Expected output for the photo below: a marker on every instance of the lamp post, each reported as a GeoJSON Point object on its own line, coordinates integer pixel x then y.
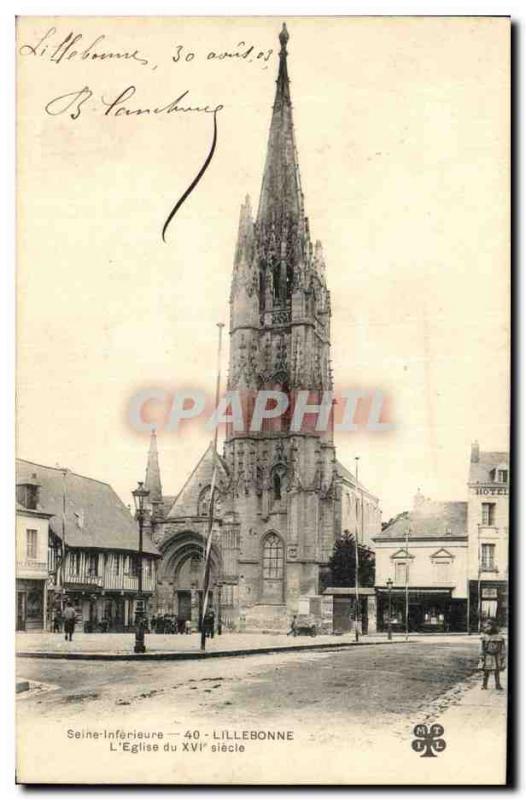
{"type": "Point", "coordinates": [139, 496]}
{"type": "Point", "coordinates": [219, 600]}
{"type": "Point", "coordinates": [357, 564]}
{"type": "Point", "coordinates": [389, 610]}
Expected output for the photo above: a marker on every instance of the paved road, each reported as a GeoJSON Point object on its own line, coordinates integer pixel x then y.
{"type": "Point", "coordinates": [352, 712]}
{"type": "Point", "coordinates": [384, 679]}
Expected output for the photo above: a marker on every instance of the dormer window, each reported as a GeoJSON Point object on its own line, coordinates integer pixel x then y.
{"type": "Point", "coordinates": [27, 493]}
{"type": "Point", "coordinates": [502, 475]}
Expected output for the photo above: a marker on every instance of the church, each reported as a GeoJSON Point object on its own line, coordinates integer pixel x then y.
{"type": "Point", "coordinates": [282, 497]}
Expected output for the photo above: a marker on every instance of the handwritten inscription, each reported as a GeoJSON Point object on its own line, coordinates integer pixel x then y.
{"type": "Point", "coordinates": [74, 47]}
{"type": "Point", "coordinates": [62, 49]}
{"type": "Point", "coordinates": [70, 48]}
{"type": "Point", "coordinates": [118, 106]}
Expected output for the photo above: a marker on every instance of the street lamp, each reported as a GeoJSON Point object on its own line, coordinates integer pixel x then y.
{"type": "Point", "coordinates": [139, 496]}
{"type": "Point", "coordinates": [389, 610]}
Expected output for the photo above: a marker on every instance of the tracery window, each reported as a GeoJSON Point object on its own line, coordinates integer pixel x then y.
{"type": "Point", "coordinates": [273, 558]}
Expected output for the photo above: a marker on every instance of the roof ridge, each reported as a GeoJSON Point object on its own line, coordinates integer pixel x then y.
{"type": "Point", "coordinates": [68, 470]}
{"type": "Point", "coordinates": [192, 473]}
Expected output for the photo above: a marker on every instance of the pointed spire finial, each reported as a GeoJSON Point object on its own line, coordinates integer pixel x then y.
{"type": "Point", "coordinates": [153, 474]}
{"type": "Point", "coordinates": [283, 38]}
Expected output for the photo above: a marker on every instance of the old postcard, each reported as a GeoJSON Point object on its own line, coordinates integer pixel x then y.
{"type": "Point", "coordinates": [263, 468]}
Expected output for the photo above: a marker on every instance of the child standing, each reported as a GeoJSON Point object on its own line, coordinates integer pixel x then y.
{"type": "Point", "coordinates": [492, 653]}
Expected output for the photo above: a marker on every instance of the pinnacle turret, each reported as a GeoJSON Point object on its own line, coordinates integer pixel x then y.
{"type": "Point", "coordinates": [152, 480]}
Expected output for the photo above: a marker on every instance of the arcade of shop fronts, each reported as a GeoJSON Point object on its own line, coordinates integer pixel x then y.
{"type": "Point", "coordinates": [441, 567]}
{"type": "Point", "coordinates": [447, 563]}
{"type": "Point", "coordinates": [76, 541]}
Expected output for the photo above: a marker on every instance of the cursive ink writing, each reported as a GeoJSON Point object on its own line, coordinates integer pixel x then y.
{"type": "Point", "coordinates": [68, 49]}
{"type": "Point", "coordinates": [119, 106]}
{"type": "Point", "coordinates": [71, 100]}
{"type": "Point", "coordinates": [195, 181]}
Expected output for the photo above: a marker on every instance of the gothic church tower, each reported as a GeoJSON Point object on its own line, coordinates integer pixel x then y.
{"type": "Point", "coordinates": [281, 489]}
{"type": "Point", "coordinates": [282, 498]}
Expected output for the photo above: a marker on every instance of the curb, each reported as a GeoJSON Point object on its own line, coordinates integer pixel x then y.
{"type": "Point", "coordinates": [198, 654]}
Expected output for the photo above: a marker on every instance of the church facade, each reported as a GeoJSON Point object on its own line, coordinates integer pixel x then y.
{"type": "Point", "coordinates": [282, 497]}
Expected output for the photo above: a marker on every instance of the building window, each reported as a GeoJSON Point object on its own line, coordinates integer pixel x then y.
{"type": "Point", "coordinates": [273, 558]}
{"type": "Point", "coordinates": [92, 565]}
{"type": "Point", "coordinates": [441, 572]}
{"type": "Point", "coordinates": [27, 495]}
{"type": "Point", "coordinates": [147, 568]}
{"type": "Point", "coordinates": [227, 595]}
{"type": "Point", "coordinates": [31, 544]}
{"type": "Point", "coordinates": [502, 476]}
{"type": "Point", "coordinates": [401, 572]}
{"type": "Point", "coordinates": [74, 563]}
{"type": "Point", "coordinates": [116, 564]}
{"type": "Point", "coordinates": [487, 556]}
{"type": "Point", "coordinates": [488, 514]}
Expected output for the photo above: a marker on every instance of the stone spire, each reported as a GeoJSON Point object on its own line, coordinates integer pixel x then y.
{"type": "Point", "coordinates": [281, 200]}
{"type": "Point", "coordinates": [245, 277]}
{"type": "Point", "coordinates": [152, 481]}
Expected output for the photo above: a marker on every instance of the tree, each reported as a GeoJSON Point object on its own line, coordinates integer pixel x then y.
{"type": "Point", "coordinates": [342, 565]}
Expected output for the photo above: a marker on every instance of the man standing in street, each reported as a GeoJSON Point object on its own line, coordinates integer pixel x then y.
{"type": "Point", "coordinates": [69, 621]}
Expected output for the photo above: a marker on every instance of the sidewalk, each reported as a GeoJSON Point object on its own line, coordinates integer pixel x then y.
{"type": "Point", "coordinates": [470, 714]}
{"type": "Point", "coordinates": [119, 646]}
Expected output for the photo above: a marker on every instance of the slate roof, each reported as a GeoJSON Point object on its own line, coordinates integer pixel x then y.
{"type": "Point", "coordinates": [347, 475]}
{"type": "Point", "coordinates": [433, 520]}
{"type": "Point", "coordinates": [479, 471]}
{"type": "Point", "coordinates": [95, 516]}
{"type": "Point", "coordinates": [185, 503]}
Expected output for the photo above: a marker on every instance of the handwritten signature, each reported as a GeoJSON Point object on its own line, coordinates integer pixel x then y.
{"type": "Point", "coordinates": [73, 103]}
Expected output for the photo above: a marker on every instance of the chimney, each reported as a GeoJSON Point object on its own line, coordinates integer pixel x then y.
{"type": "Point", "coordinates": [475, 452]}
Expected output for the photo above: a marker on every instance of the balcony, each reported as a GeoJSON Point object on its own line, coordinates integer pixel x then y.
{"type": "Point", "coordinates": [128, 583]}
{"type": "Point", "coordinates": [85, 580]}
{"type": "Point", "coordinates": [489, 531]}
{"type": "Point", "coordinates": [486, 569]}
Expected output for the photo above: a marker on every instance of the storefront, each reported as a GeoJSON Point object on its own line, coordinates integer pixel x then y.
{"type": "Point", "coordinates": [428, 610]}
{"type": "Point", "coordinates": [30, 605]}
{"type": "Point", "coordinates": [488, 600]}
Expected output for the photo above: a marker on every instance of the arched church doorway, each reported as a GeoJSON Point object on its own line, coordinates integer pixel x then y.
{"type": "Point", "coordinates": [181, 576]}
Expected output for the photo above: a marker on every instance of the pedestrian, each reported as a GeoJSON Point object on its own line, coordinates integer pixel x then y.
{"type": "Point", "coordinates": [56, 621]}
{"type": "Point", "coordinates": [69, 621]}
{"type": "Point", "coordinates": [293, 626]}
{"type": "Point", "coordinates": [209, 623]}
{"type": "Point", "coordinates": [492, 653]}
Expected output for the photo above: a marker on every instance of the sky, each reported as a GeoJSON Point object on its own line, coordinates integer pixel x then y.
{"type": "Point", "coordinates": [402, 127]}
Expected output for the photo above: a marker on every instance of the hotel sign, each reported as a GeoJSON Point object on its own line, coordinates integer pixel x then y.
{"type": "Point", "coordinates": [491, 490]}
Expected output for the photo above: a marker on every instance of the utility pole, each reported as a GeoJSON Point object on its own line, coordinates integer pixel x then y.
{"type": "Point", "coordinates": [407, 581]}
{"type": "Point", "coordinates": [208, 549]}
{"type": "Point", "coordinates": [357, 565]}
